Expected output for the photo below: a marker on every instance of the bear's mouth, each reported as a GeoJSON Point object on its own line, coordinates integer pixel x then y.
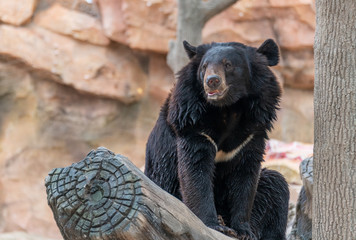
{"type": "Point", "coordinates": [216, 94]}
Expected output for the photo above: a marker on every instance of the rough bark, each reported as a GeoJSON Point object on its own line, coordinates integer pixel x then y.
{"type": "Point", "coordinates": [334, 193]}
{"type": "Point", "coordinates": [192, 16]}
{"type": "Point", "coordinates": [106, 197]}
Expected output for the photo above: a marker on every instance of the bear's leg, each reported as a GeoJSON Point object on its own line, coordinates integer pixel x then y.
{"type": "Point", "coordinates": [241, 186]}
{"type": "Point", "coordinates": [270, 210]}
{"type": "Point", "coordinates": [195, 172]}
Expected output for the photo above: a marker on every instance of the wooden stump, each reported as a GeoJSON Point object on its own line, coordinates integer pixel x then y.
{"type": "Point", "coordinates": [105, 196]}
{"type": "Point", "coordinates": [302, 228]}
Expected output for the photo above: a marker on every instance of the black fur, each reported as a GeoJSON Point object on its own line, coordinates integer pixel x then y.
{"type": "Point", "coordinates": [180, 156]}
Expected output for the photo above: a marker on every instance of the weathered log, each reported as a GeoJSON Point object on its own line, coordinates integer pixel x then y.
{"type": "Point", "coordinates": [302, 227]}
{"type": "Point", "coordinates": [105, 196]}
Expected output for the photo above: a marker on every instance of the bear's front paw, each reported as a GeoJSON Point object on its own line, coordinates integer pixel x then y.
{"type": "Point", "coordinates": [245, 234]}
{"type": "Point", "coordinates": [225, 230]}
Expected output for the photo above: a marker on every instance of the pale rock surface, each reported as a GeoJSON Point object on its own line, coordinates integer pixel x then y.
{"type": "Point", "coordinates": [43, 125]}
{"type": "Point", "coordinates": [152, 24]}
{"type": "Point", "coordinates": [113, 20]}
{"type": "Point", "coordinates": [161, 77]}
{"type": "Point", "coordinates": [295, 119]}
{"type": "Point", "coordinates": [109, 72]}
{"type": "Point", "coordinates": [288, 22]}
{"type": "Point", "coordinates": [292, 34]}
{"type": "Point", "coordinates": [144, 25]}
{"type": "Point", "coordinates": [288, 3]}
{"type": "Point", "coordinates": [249, 32]}
{"type": "Point", "coordinates": [16, 12]}
{"type": "Point", "coordinates": [297, 68]}
{"type": "Point", "coordinates": [69, 22]}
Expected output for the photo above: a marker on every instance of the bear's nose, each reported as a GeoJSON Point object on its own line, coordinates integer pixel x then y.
{"type": "Point", "coordinates": [213, 81]}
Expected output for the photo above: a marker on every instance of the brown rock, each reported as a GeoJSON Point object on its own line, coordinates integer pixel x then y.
{"type": "Point", "coordinates": [251, 32]}
{"type": "Point", "coordinates": [145, 25]}
{"type": "Point", "coordinates": [113, 20]}
{"type": "Point", "coordinates": [306, 14]}
{"type": "Point", "coordinates": [110, 72]}
{"type": "Point", "coordinates": [161, 77]}
{"type": "Point", "coordinates": [16, 12]}
{"type": "Point", "coordinates": [288, 3]}
{"type": "Point", "coordinates": [295, 120]}
{"type": "Point", "coordinates": [151, 24]}
{"type": "Point", "coordinates": [25, 198]}
{"type": "Point", "coordinates": [292, 34]}
{"type": "Point", "coordinates": [246, 10]}
{"type": "Point", "coordinates": [76, 24]}
{"type": "Point", "coordinates": [44, 125]}
{"type": "Point", "coordinates": [298, 68]}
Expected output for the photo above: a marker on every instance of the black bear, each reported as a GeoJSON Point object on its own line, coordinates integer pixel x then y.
{"type": "Point", "coordinates": [208, 143]}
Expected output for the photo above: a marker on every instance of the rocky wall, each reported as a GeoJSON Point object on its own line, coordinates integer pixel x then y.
{"type": "Point", "coordinates": [75, 75]}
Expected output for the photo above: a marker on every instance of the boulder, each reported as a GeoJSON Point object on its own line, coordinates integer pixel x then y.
{"type": "Point", "coordinates": [295, 121]}
{"type": "Point", "coordinates": [144, 25]}
{"type": "Point", "coordinates": [288, 3]}
{"type": "Point", "coordinates": [161, 78]}
{"type": "Point", "coordinates": [69, 22]}
{"type": "Point", "coordinates": [113, 20]}
{"type": "Point", "coordinates": [249, 32]}
{"type": "Point", "coordinates": [45, 124]}
{"type": "Point", "coordinates": [109, 72]}
{"type": "Point", "coordinates": [297, 68]}
{"type": "Point", "coordinates": [16, 12]}
{"type": "Point", "coordinates": [293, 34]}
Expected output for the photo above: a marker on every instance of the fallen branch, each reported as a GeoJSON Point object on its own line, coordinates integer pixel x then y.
{"type": "Point", "coordinates": [105, 196]}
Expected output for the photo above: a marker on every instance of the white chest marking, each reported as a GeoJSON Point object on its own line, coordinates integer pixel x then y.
{"type": "Point", "coordinates": [222, 156]}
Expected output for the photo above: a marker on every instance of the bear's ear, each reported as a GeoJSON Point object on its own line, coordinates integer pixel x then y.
{"type": "Point", "coordinates": [270, 49]}
{"type": "Point", "coordinates": [189, 49]}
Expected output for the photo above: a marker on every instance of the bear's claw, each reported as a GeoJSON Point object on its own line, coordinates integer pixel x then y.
{"type": "Point", "coordinates": [225, 230]}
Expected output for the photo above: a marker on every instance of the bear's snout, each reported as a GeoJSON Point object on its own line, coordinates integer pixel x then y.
{"type": "Point", "coordinates": [213, 81]}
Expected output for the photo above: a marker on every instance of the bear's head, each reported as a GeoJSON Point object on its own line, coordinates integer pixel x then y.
{"type": "Point", "coordinates": [231, 71]}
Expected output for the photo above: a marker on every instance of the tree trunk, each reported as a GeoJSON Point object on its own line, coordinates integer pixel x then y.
{"type": "Point", "coordinates": [106, 197]}
{"type": "Point", "coordinates": [192, 16]}
{"type": "Point", "coordinates": [334, 192]}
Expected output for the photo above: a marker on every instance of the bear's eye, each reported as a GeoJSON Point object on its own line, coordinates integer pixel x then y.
{"type": "Point", "coordinates": [203, 68]}
{"type": "Point", "coordinates": [228, 65]}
